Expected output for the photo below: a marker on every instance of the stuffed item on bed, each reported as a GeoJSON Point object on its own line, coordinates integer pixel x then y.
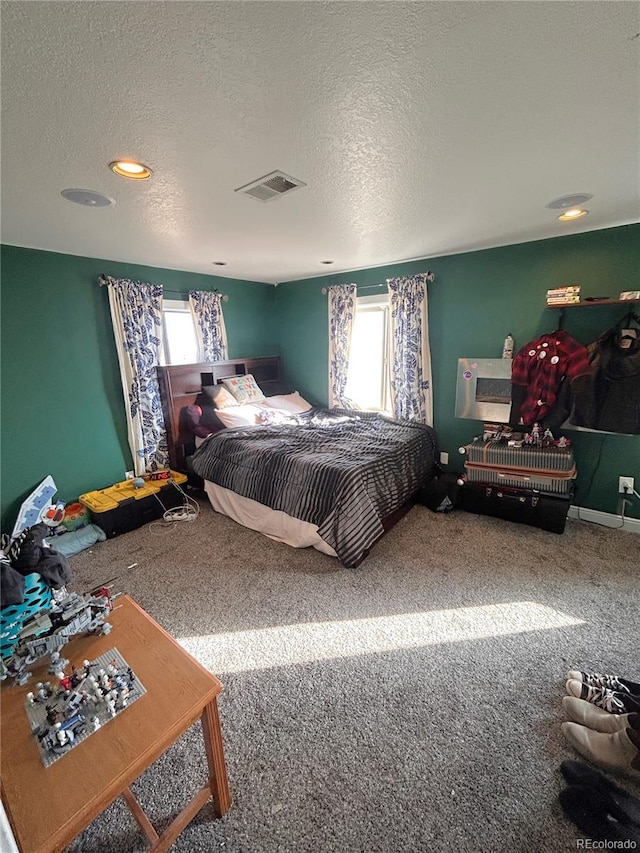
{"type": "Point", "coordinates": [218, 396]}
{"type": "Point", "coordinates": [199, 421]}
{"type": "Point", "coordinates": [244, 388]}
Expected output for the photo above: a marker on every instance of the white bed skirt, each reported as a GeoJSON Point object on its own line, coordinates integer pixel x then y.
{"type": "Point", "coordinates": [272, 522]}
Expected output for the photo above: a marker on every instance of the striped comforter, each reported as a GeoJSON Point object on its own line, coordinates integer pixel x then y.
{"type": "Point", "coordinates": [342, 471]}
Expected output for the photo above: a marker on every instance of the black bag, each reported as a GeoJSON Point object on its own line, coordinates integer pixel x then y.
{"type": "Point", "coordinates": [442, 494]}
{"type": "Point", "coordinates": [525, 506]}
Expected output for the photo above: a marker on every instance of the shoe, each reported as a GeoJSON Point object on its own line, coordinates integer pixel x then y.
{"type": "Point", "coordinates": [622, 805]}
{"type": "Point", "coordinates": [592, 716]}
{"type": "Point", "coordinates": [610, 751]}
{"type": "Point", "coordinates": [615, 703]}
{"type": "Point", "coordinates": [596, 816]}
{"type": "Point", "coordinates": [610, 682]}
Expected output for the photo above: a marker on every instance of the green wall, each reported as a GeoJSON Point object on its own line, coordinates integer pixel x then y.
{"type": "Point", "coordinates": [476, 299]}
{"type": "Point", "coordinates": [62, 410]}
{"type": "Point", "coordinates": [62, 407]}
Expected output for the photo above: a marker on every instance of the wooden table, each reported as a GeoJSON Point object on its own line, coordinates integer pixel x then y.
{"type": "Point", "coordinates": [49, 806]}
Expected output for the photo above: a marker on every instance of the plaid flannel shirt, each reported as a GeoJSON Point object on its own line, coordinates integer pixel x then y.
{"type": "Point", "coordinates": [539, 367]}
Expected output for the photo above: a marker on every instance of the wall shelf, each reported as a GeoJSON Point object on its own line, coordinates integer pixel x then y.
{"type": "Point", "coordinates": [595, 302]}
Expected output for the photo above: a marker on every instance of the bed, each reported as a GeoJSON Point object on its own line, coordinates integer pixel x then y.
{"type": "Point", "coordinates": [335, 480]}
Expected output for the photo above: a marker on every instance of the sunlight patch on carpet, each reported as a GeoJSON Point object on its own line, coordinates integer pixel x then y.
{"type": "Point", "coordinates": [312, 641]}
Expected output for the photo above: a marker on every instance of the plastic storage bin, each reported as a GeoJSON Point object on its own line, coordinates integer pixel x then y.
{"type": "Point", "coordinates": [37, 596]}
{"type": "Point", "coordinates": [123, 507]}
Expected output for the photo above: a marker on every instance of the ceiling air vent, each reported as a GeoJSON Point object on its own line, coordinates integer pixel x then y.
{"type": "Point", "coordinates": [271, 186]}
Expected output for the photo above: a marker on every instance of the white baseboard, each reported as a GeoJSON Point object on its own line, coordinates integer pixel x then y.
{"type": "Point", "coordinates": [607, 519]}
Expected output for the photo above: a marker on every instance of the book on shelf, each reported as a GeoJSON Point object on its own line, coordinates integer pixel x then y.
{"type": "Point", "coordinates": [569, 288]}
{"type": "Point", "coordinates": [563, 301]}
{"type": "Point", "coordinates": [560, 292]}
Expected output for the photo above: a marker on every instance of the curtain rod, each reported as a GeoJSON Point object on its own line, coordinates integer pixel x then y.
{"type": "Point", "coordinates": [102, 280]}
{"type": "Point", "coordinates": [430, 276]}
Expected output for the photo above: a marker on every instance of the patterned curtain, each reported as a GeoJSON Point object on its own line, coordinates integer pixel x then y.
{"type": "Point", "coordinates": [136, 314]}
{"type": "Point", "coordinates": [411, 381]}
{"type": "Point", "coordinates": [342, 313]}
{"type": "Point", "coordinates": [206, 307]}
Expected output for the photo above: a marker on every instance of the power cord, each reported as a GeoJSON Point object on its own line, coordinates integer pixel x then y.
{"type": "Point", "coordinates": [624, 502]}
{"type": "Point", "coordinates": [591, 479]}
{"type": "Point", "coordinates": [189, 510]}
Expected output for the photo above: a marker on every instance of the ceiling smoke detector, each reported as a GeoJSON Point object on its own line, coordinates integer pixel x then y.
{"type": "Point", "coordinates": [567, 201]}
{"type": "Point", "coordinates": [271, 186]}
{"type": "Point", "coordinates": [89, 198]}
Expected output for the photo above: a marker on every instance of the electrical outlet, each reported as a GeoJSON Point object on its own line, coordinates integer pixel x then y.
{"type": "Point", "coordinates": [625, 485]}
{"type": "Point", "coordinates": [128, 475]}
{"type": "Point", "coordinates": [444, 458]}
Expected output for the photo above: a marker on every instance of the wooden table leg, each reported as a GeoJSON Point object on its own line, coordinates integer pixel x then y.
{"type": "Point", "coordinates": [218, 780]}
{"type": "Point", "coordinates": [140, 817]}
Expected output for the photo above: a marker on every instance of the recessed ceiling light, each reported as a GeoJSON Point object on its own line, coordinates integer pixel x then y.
{"type": "Point", "coordinates": [327, 262]}
{"type": "Point", "coordinates": [219, 263]}
{"type": "Point", "coordinates": [130, 169]}
{"type": "Point", "coordinates": [90, 198]}
{"type": "Point", "coordinates": [568, 201]}
{"type": "Point", "coordinates": [574, 213]}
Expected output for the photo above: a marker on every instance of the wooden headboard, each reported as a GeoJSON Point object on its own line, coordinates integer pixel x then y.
{"type": "Point", "coordinates": [181, 384]}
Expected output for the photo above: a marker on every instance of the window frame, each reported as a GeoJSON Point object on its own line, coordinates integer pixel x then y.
{"type": "Point", "coordinates": [370, 304]}
{"type": "Point", "coordinates": [180, 306]}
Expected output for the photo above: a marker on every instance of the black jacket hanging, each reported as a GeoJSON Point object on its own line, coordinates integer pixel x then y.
{"type": "Point", "coordinates": [615, 364]}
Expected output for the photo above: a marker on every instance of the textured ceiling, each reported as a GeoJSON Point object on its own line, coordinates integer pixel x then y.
{"type": "Point", "coordinates": [420, 129]}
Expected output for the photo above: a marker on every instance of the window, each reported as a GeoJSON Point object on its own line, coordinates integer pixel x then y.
{"type": "Point", "coordinates": [180, 342]}
{"type": "Point", "coordinates": [368, 377]}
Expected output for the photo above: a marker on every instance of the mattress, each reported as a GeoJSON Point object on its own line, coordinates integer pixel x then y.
{"type": "Point", "coordinates": [273, 523]}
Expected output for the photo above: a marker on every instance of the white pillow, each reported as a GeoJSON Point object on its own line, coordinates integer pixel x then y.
{"type": "Point", "coordinates": [294, 404]}
{"type": "Point", "coordinates": [236, 416]}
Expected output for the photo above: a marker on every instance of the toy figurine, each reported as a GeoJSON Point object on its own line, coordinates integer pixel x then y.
{"type": "Point", "coordinates": [93, 687]}
{"type": "Point", "coordinates": [105, 683]}
{"type": "Point", "coordinates": [74, 702]}
{"type": "Point", "coordinates": [547, 438]}
{"type": "Point", "coordinates": [49, 630]}
{"type": "Point", "coordinates": [57, 662]}
{"type": "Point", "coordinates": [61, 736]}
{"type": "Point", "coordinates": [64, 681]}
{"type": "Point", "coordinates": [123, 697]}
{"type": "Point", "coordinates": [53, 715]}
{"type": "Point", "coordinates": [17, 669]}
{"type": "Point", "coordinates": [61, 716]}
{"type": "Point", "coordinates": [41, 692]}
{"type": "Point", "coordinates": [76, 677]}
{"type": "Point", "coordinates": [535, 435]}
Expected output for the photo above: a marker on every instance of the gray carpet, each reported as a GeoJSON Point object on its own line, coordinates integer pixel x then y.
{"type": "Point", "coordinates": [411, 704]}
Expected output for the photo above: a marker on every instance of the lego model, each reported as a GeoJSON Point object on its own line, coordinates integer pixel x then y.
{"type": "Point", "coordinates": [47, 631]}
{"type": "Point", "coordinates": [63, 716]}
